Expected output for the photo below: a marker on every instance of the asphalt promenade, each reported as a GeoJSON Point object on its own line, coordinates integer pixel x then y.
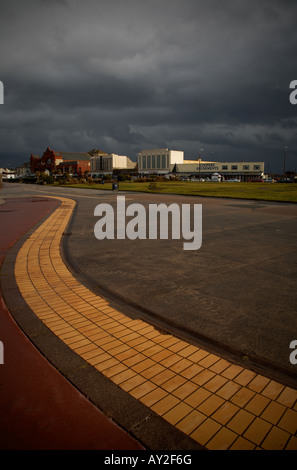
{"type": "Point", "coordinates": [161, 389]}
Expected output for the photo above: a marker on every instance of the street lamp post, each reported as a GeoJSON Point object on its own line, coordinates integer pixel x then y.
{"type": "Point", "coordinates": [199, 160]}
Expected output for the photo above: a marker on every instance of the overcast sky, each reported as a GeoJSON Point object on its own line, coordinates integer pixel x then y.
{"type": "Point", "coordinates": [127, 75]}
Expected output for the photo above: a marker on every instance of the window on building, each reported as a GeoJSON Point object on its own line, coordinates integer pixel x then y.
{"type": "Point", "coordinates": [158, 161]}
{"type": "Point", "coordinates": [256, 167]}
{"type": "Point", "coordinates": [246, 167]}
{"type": "Point", "coordinates": [148, 162]}
{"type": "Point", "coordinates": [234, 167]}
{"type": "Point", "coordinates": [144, 162]}
{"type": "Point", "coordinates": [163, 161]}
{"type": "Point", "coordinates": [224, 167]}
{"type": "Point", "coordinates": [153, 161]}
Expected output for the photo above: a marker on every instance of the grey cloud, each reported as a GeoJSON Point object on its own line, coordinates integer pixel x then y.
{"type": "Point", "coordinates": [124, 75]}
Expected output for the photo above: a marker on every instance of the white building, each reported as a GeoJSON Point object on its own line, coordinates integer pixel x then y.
{"type": "Point", "coordinates": [163, 161]}
{"type": "Point", "coordinates": [103, 163]}
{"type": "Point", "coordinates": [159, 161]}
{"type": "Point", "coordinates": [243, 171]}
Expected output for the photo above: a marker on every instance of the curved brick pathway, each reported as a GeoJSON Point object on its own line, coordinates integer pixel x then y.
{"type": "Point", "coordinates": [218, 404]}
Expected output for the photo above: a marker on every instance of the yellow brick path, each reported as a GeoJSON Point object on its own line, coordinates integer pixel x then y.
{"type": "Point", "coordinates": [218, 404]}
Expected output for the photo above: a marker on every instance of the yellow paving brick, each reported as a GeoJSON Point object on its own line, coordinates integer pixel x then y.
{"type": "Point", "coordinates": [177, 413]}
{"type": "Point", "coordinates": [191, 422]}
{"type": "Point", "coordinates": [197, 397]}
{"type": "Point", "coordinates": [164, 405]}
{"type": "Point", "coordinates": [228, 390]}
{"type": "Point", "coordinates": [178, 346]}
{"type": "Point", "coordinates": [273, 412]}
{"type": "Point", "coordinates": [191, 371]}
{"type": "Point", "coordinates": [198, 355]}
{"type": "Point", "coordinates": [257, 431]}
{"type": "Point", "coordinates": [225, 412]}
{"type": "Point", "coordinates": [202, 377]}
{"type": "Point", "coordinates": [209, 360]}
{"type": "Point", "coordinates": [214, 384]}
{"type": "Point", "coordinates": [169, 341]}
{"type": "Point", "coordinates": [119, 349]}
{"type": "Point", "coordinates": [184, 390]}
{"type": "Point", "coordinates": [133, 360]}
{"type": "Point", "coordinates": [210, 405]}
{"type": "Point", "coordinates": [242, 444]}
{"type": "Point", "coordinates": [143, 389]}
{"type": "Point", "coordinates": [170, 360]}
{"type": "Point", "coordinates": [288, 421]}
{"type": "Point", "coordinates": [114, 370]}
{"type": "Point", "coordinates": [153, 397]}
{"type": "Point", "coordinates": [86, 348]}
{"type": "Point", "coordinates": [163, 354]}
{"type": "Point", "coordinates": [133, 382]}
{"type": "Point", "coordinates": [181, 365]}
{"type": "Point", "coordinates": [222, 440]}
{"type": "Point", "coordinates": [245, 377]}
{"type": "Point", "coordinates": [143, 365]}
{"type": "Point", "coordinates": [162, 377]}
{"type": "Point", "coordinates": [258, 383]}
{"type": "Point", "coordinates": [257, 404]}
{"type": "Point", "coordinates": [242, 396]}
{"type": "Point", "coordinates": [276, 439]}
{"type": "Point", "coordinates": [100, 357]}
{"type": "Point", "coordinates": [151, 351]}
{"type": "Point", "coordinates": [240, 421]}
{"type": "Point", "coordinates": [219, 366]}
{"type": "Point", "coordinates": [101, 366]}
{"type": "Point", "coordinates": [187, 351]}
{"type": "Point", "coordinates": [152, 371]}
{"type": "Point", "coordinates": [292, 443]}
{"type": "Point", "coordinates": [173, 383]}
{"type": "Point", "coordinates": [205, 431]}
{"type": "Point", "coordinates": [232, 371]}
{"type": "Point", "coordinates": [287, 397]}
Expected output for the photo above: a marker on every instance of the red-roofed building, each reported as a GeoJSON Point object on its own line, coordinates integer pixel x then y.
{"type": "Point", "coordinates": [71, 162]}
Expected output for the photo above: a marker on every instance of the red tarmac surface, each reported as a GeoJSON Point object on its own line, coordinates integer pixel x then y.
{"type": "Point", "coordinates": [39, 408]}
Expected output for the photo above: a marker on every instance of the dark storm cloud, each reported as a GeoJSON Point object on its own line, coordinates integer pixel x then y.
{"type": "Point", "coordinates": [126, 75]}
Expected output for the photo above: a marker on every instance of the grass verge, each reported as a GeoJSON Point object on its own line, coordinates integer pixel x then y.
{"type": "Point", "coordinates": [279, 192]}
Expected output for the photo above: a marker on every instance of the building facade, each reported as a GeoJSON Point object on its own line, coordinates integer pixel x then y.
{"type": "Point", "coordinates": [61, 162]}
{"type": "Point", "coordinates": [243, 171]}
{"type": "Point", "coordinates": [164, 161]}
{"type": "Point", "coordinates": [159, 161]}
{"type": "Point", "coordinates": [107, 163]}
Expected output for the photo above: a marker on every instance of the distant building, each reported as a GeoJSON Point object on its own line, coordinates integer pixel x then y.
{"type": "Point", "coordinates": [243, 171]}
{"type": "Point", "coordinates": [109, 163]}
{"type": "Point", "coordinates": [73, 162]}
{"type": "Point", "coordinates": [7, 174]}
{"type": "Point", "coordinates": [159, 161]}
{"type": "Point", "coordinates": [164, 161]}
{"type": "Point", "coordinates": [22, 171]}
